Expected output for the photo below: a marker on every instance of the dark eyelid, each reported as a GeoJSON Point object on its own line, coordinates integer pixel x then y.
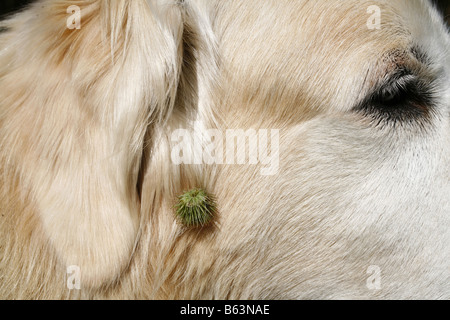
{"type": "Point", "coordinates": [400, 82]}
{"type": "Point", "coordinates": [411, 100]}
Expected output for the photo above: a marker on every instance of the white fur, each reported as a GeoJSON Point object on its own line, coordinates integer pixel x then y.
{"type": "Point", "coordinates": [86, 118]}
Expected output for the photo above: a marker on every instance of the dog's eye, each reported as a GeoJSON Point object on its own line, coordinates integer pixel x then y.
{"type": "Point", "coordinates": [397, 90]}
{"type": "Point", "coordinates": [402, 98]}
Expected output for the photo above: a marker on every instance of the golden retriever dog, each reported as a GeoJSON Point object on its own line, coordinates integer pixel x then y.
{"type": "Point", "coordinates": [109, 108]}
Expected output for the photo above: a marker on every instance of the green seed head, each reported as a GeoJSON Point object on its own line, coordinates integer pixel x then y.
{"type": "Point", "coordinates": [195, 208]}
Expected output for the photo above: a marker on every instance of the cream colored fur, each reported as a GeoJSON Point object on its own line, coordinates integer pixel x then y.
{"type": "Point", "coordinates": [86, 179]}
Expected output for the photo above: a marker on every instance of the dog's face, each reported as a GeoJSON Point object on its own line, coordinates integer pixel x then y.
{"type": "Point", "coordinates": [354, 202]}
{"type": "Point", "coordinates": [363, 178]}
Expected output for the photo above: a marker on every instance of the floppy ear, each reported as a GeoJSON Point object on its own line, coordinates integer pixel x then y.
{"type": "Point", "coordinates": [76, 105]}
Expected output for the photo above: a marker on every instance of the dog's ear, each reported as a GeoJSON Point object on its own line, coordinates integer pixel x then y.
{"type": "Point", "coordinates": [76, 135]}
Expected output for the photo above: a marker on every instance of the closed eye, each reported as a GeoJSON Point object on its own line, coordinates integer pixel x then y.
{"type": "Point", "coordinates": [401, 98]}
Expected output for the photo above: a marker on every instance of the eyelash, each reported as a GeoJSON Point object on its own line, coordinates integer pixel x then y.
{"type": "Point", "coordinates": [404, 98]}
{"type": "Point", "coordinates": [396, 91]}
